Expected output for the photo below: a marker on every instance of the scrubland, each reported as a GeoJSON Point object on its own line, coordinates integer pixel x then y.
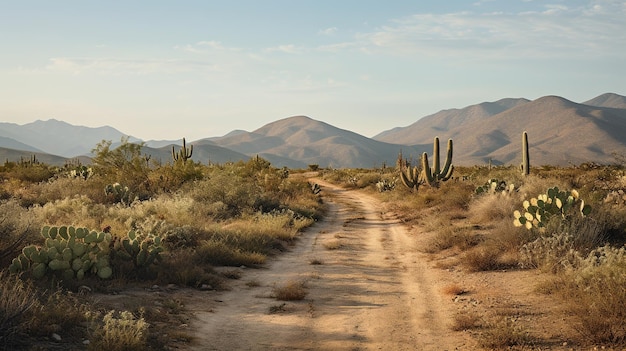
{"type": "Point", "coordinates": [195, 217]}
{"type": "Point", "coordinates": [191, 217]}
{"type": "Point", "coordinates": [583, 255]}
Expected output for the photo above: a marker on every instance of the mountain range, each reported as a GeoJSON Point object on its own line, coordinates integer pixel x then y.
{"type": "Point", "coordinates": [560, 132]}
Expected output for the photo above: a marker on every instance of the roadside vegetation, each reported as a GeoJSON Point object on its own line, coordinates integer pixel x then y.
{"type": "Point", "coordinates": [125, 221]}
{"type": "Point", "coordinates": [70, 235]}
{"type": "Point", "coordinates": [473, 223]}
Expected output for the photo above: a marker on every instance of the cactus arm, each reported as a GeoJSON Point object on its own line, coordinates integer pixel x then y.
{"type": "Point", "coordinates": [525, 159]}
{"type": "Point", "coordinates": [448, 168]}
{"type": "Point", "coordinates": [428, 175]}
{"type": "Point", "coordinates": [436, 163]}
{"type": "Point", "coordinates": [405, 180]}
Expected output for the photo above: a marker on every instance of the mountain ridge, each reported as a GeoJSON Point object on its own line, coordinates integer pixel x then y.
{"type": "Point", "coordinates": [560, 132]}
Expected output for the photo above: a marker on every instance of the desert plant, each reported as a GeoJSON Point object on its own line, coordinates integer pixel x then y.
{"type": "Point", "coordinates": [410, 177]}
{"type": "Point", "coordinates": [315, 188]}
{"type": "Point", "coordinates": [119, 193]}
{"type": "Point", "coordinates": [525, 157]}
{"type": "Point", "coordinates": [141, 249]}
{"type": "Point", "coordinates": [539, 210]}
{"type": "Point", "coordinates": [493, 186]}
{"type": "Point", "coordinates": [17, 298]}
{"type": "Point", "coordinates": [436, 174]}
{"type": "Point", "coordinates": [385, 185]}
{"type": "Point", "coordinates": [292, 290]}
{"type": "Point", "coordinates": [183, 154]}
{"type": "Point", "coordinates": [68, 252]}
{"type": "Point", "coordinates": [118, 331]}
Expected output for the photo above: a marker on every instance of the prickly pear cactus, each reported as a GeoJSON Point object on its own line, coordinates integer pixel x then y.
{"type": "Point", "coordinates": [68, 252]}
{"type": "Point", "coordinates": [495, 186]}
{"type": "Point", "coordinates": [538, 211]}
{"type": "Point", "coordinates": [119, 193]}
{"type": "Point", "coordinates": [142, 249]}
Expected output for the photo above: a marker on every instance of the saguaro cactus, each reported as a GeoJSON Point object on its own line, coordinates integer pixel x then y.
{"type": "Point", "coordinates": [436, 174]}
{"type": "Point", "coordinates": [525, 160]}
{"type": "Point", "coordinates": [410, 177]}
{"type": "Point", "coordinates": [182, 154]}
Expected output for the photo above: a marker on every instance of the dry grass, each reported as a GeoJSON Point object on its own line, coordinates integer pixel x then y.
{"type": "Point", "coordinates": [316, 261]}
{"type": "Point", "coordinates": [504, 332]}
{"type": "Point", "coordinates": [119, 331]}
{"type": "Point", "coordinates": [454, 289]}
{"type": "Point", "coordinates": [17, 303]}
{"type": "Point", "coordinates": [292, 290]}
{"type": "Point", "coordinates": [466, 321]}
{"type": "Point", "coordinates": [333, 244]}
{"type": "Point", "coordinates": [449, 236]}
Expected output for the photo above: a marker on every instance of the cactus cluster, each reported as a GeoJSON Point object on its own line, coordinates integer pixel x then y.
{"type": "Point", "coordinates": [385, 185]}
{"type": "Point", "coordinates": [82, 172]}
{"type": "Point", "coordinates": [539, 210]}
{"type": "Point", "coordinates": [436, 174]}
{"type": "Point", "coordinates": [183, 154]}
{"type": "Point", "coordinates": [119, 192]}
{"type": "Point", "coordinates": [143, 250]}
{"type": "Point", "coordinates": [69, 252]}
{"type": "Point", "coordinates": [495, 186]}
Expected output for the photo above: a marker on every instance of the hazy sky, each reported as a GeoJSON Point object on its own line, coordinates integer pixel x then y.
{"type": "Point", "coordinates": [167, 69]}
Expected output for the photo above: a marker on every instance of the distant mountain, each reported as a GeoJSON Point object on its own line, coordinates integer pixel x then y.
{"type": "Point", "coordinates": [608, 100]}
{"type": "Point", "coordinates": [7, 154]}
{"type": "Point", "coordinates": [10, 143]}
{"type": "Point", "coordinates": [60, 138]}
{"type": "Point", "coordinates": [428, 127]}
{"type": "Point", "coordinates": [560, 131]}
{"type": "Point", "coordinates": [298, 141]}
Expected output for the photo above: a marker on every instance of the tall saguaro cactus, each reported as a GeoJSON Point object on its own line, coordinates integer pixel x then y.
{"type": "Point", "coordinates": [525, 160]}
{"type": "Point", "coordinates": [184, 153]}
{"type": "Point", "coordinates": [436, 174]}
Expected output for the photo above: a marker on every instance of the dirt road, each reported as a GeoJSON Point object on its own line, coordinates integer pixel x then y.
{"type": "Point", "coordinates": [369, 288]}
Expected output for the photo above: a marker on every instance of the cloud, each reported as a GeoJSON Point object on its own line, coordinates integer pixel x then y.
{"type": "Point", "coordinates": [116, 66]}
{"type": "Point", "coordinates": [550, 32]}
{"type": "Point", "coordinates": [287, 49]}
{"type": "Point", "coordinates": [328, 31]}
{"type": "Point", "coordinates": [203, 47]}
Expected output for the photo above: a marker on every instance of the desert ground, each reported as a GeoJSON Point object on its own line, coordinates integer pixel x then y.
{"type": "Point", "coordinates": [369, 286]}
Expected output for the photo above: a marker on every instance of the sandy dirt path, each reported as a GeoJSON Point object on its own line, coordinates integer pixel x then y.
{"type": "Point", "coordinates": [372, 290]}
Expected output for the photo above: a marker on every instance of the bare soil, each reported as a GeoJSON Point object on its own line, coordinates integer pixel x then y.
{"type": "Point", "coordinates": [370, 287]}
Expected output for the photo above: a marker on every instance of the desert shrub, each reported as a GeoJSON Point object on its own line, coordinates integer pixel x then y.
{"type": "Point", "coordinates": [504, 332]}
{"type": "Point", "coordinates": [593, 286]}
{"type": "Point", "coordinates": [18, 300]}
{"type": "Point", "coordinates": [484, 258]}
{"type": "Point", "coordinates": [237, 194]}
{"type": "Point", "coordinates": [446, 237]}
{"type": "Point", "coordinates": [489, 208]}
{"type": "Point", "coordinates": [369, 179]}
{"type": "Point", "coordinates": [61, 312]}
{"type": "Point", "coordinates": [291, 290]}
{"type": "Point", "coordinates": [15, 230]}
{"type": "Point", "coordinates": [33, 173]}
{"type": "Point", "coordinates": [118, 331]}
{"type": "Point", "coordinates": [466, 321]}
{"type": "Point", "coordinates": [217, 252]}
{"type": "Point", "coordinates": [455, 194]}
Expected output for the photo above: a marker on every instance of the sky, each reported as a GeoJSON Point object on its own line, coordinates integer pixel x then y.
{"type": "Point", "coordinates": [171, 69]}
